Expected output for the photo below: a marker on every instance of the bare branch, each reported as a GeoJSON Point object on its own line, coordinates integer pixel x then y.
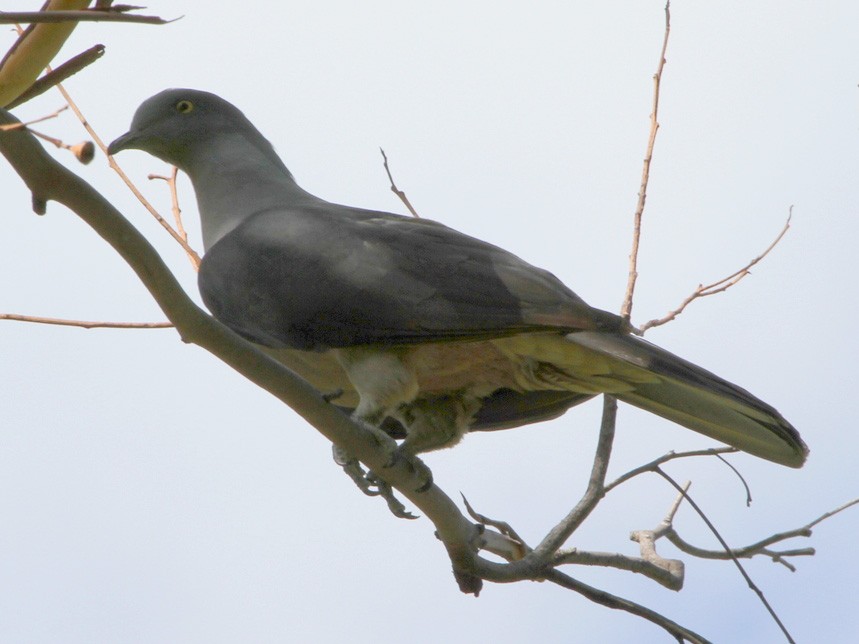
{"type": "Point", "coordinates": [174, 206]}
{"type": "Point", "coordinates": [613, 601]}
{"type": "Point", "coordinates": [739, 476]}
{"type": "Point", "coordinates": [397, 191]}
{"type": "Point", "coordinates": [673, 569]}
{"type": "Point", "coordinates": [664, 574]}
{"type": "Point", "coordinates": [593, 494]}
{"type": "Point", "coordinates": [626, 307]}
{"type": "Point", "coordinates": [85, 324]}
{"type": "Point", "coordinates": [761, 547]}
{"type": "Point", "coordinates": [174, 198]}
{"type": "Point", "coordinates": [728, 550]}
{"type": "Point", "coordinates": [507, 544]}
{"type": "Point", "coordinates": [747, 552]}
{"type": "Point", "coordinates": [721, 285]}
{"type": "Point", "coordinates": [653, 465]}
{"type": "Point", "coordinates": [832, 513]}
{"type": "Point", "coordinates": [672, 511]}
{"type": "Point", "coordinates": [23, 126]}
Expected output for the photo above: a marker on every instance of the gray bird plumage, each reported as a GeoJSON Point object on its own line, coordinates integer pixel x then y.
{"type": "Point", "coordinates": [429, 333]}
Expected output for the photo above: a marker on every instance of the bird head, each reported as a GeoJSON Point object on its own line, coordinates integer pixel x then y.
{"type": "Point", "coordinates": [176, 124]}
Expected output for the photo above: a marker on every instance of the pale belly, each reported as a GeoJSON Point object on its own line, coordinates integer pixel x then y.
{"type": "Point", "coordinates": [476, 367]}
{"type": "Point", "coordinates": [527, 362]}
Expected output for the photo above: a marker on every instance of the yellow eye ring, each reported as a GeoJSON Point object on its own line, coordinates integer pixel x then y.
{"type": "Point", "coordinates": [184, 106]}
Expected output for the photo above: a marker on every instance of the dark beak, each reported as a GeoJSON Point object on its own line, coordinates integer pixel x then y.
{"type": "Point", "coordinates": [125, 142]}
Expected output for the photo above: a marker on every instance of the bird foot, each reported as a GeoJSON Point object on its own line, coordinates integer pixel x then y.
{"type": "Point", "coordinates": [414, 464]}
{"type": "Point", "coordinates": [387, 492]}
{"type": "Point", "coordinates": [369, 483]}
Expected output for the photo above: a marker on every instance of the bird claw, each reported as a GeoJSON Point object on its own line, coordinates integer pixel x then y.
{"type": "Point", "coordinates": [369, 483]}
{"type": "Point", "coordinates": [415, 465]}
{"type": "Point", "coordinates": [386, 492]}
{"type": "Point", "coordinates": [354, 471]}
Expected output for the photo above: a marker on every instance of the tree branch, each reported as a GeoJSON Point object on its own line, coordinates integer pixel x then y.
{"type": "Point", "coordinates": [626, 307]}
{"type": "Point", "coordinates": [760, 547]}
{"type": "Point", "coordinates": [594, 492]}
{"type": "Point", "coordinates": [668, 575]}
{"type": "Point", "coordinates": [752, 585]}
{"type": "Point", "coordinates": [86, 324]}
{"type": "Point", "coordinates": [653, 465]}
{"type": "Point", "coordinates": [537, 563]}
{"type": "Point", "coordinates": [18, 125]}
{"type": "Point", "coordinates": [177, 211]}
{"type": "Point", "coordinates": [612, 601]}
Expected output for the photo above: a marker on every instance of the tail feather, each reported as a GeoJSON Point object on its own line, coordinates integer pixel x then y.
{"type": "Point", "coordinates": [695, 398]}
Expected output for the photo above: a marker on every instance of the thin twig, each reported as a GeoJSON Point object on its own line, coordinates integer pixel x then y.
{"type": "Point", "coordinates": [721, 285]}
{"type": "Point", "coordinates": [831, 513]}
{"type": "Point", "coordinates": [670, 456]}
{"type": "Point", "coordinates": [626, 307]}
{"type": "Point", "coordinates": [762, 547]}
{"type": "Point", "coordinates": [23, 126]}
{"type": "Point", "coordinates": [728, 550]}
{"type": "Point", "coordinates": [613, 601]}
{"type": "Point", "coordinates": [747, 552]}
{"type": "Point", "coordinates": [174, 205]}
{"type": "Point", "coordinates": [739, 476]}
{"type": "Point", "coordinates": [86, 324]}
{"type": "Point", "coordinates": [593, 494]}
{"type": "Point", "coordinates": [396, 190]}
{"type": "Point", "coordinates": [672, 511]}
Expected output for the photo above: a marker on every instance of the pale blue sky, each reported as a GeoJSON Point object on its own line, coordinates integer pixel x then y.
{"type": "Point", "coordinates": [149, 494]}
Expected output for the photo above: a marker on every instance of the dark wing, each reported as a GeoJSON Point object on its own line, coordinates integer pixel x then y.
{"type": "Point", "coordinates": [334, 276]}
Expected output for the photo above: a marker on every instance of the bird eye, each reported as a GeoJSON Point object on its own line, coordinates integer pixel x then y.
{"type": "Point", "coordinates": [183, 106]}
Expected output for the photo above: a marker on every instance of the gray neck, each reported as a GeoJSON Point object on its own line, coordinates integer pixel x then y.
{"type": "Point", "coordinates": [234, 179]}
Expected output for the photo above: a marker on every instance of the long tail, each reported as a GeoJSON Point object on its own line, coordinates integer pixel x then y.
{"type": "Point", "coordinates": [695, 398]}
